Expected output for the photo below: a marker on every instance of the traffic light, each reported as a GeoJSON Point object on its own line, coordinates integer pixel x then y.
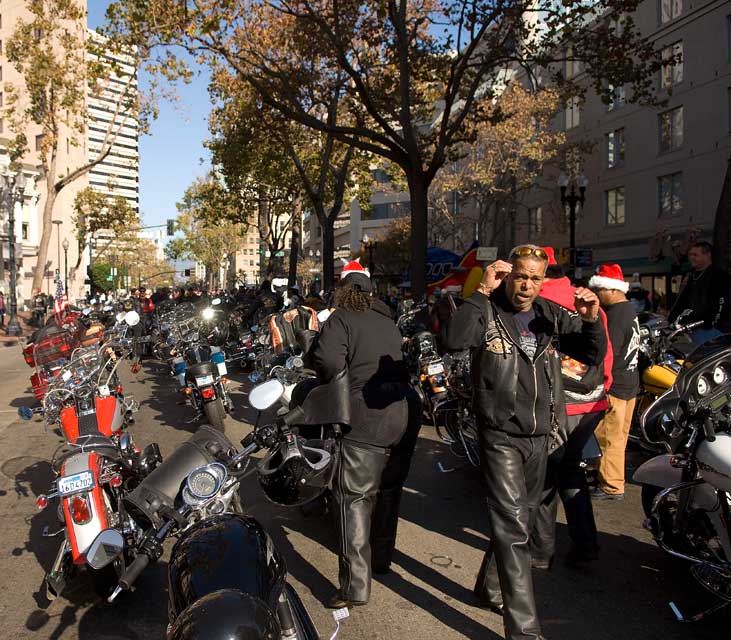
{"type": "Point", "coordinates": [171, 227]}
{"type": "Point", "coordinates": [186, 273]}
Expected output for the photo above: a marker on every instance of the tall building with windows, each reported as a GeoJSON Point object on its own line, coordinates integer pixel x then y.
{"type": "Point", "coordinates": [113, 123]}
{"type": "Point", "coordinates": [655, 174]}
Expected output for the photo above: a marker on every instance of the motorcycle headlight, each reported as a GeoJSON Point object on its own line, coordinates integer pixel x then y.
{"type": "Point", "coordinates": [702, 386]}
{"type": "Point", "coordinates": [207, 314]}
{"type": "Point", "coordinates": [204, 483]}
{"type": "Point", "coordinates": [720, 375]}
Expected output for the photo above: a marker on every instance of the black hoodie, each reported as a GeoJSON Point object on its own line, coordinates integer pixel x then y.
{"type": "Point", "coordinates": [368, 344]}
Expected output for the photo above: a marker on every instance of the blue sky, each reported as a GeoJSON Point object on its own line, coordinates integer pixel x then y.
{"type": "Point", "coordinates": [170, 155]}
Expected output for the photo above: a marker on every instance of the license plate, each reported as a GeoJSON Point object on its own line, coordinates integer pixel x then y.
{"type": "Point", "coordinates": [204, 380]}
{"type": "Point", "coordinates": [434, 369]}
{"type": "Point", "coordinates": [222, 369]}
{"type": "Point", "coordinates": [75, 483]}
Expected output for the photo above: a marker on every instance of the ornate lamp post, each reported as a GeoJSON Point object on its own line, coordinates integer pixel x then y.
{"type": "Point", "coordinates": [65, 245]}
{"type": "Point", "coordinates": [370, 244]}
{"type": "Point", "coordinates": [570, 198]}
{"type": "Point", "coordinates": [13, 186]}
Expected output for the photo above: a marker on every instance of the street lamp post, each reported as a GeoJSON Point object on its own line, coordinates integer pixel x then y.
{"type": "Point", "coordinates": [65, 245]}
{"type": "Point", "coordinates": [571, 198]}
{"type": "Point", "coordinates": [370, 244]}
{"type": "Point", "coordinates": [14, 189]}
{"type": "Point", "coordinates": [58, 224]}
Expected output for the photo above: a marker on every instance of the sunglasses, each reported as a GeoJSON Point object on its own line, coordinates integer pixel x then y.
{"type": "Point", "coordinates": [522, 252]}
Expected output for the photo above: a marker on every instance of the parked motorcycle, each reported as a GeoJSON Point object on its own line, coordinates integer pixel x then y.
{"type": "Point", "coordinates": [225, 577]}
{"type": "Point", "coordinates": [662, 350]}
{"type": "Point", "coordinates": [686, 491]}
{"type": "Point", "coordinates": [98, 463]}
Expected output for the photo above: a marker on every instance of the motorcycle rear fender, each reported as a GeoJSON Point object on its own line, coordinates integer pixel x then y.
{"type": "Point", "coordinates": [81, 536]}
{"type": "Point", "coordinates": [658, 472]}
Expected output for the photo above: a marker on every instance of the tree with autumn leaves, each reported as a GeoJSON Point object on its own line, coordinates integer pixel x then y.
{"type": "Point", "coordinates": [60, 66]}
{"type": "Point", "coordinates": [419, 73]}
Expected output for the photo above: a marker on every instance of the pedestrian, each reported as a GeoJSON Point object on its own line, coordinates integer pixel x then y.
{"type": "Point", "coordinates": [517, 394]}
{"type": "Point", "coordinates": [624, 335]}
{"type": "Point", "coordinates": [705, 292]}
{"type": "Point", "coordinates": [375, 453]}
{"type": "Point", "coordinates": [2, 309]}
{"type": "Point", "coordinates": [585, 389]}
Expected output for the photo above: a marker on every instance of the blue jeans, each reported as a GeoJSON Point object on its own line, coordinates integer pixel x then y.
{"type": "Point", "coordinates": [699, 336]}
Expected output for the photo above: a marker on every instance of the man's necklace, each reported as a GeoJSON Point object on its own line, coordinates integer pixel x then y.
{"type": "Point", "coordinates": [699, 276]}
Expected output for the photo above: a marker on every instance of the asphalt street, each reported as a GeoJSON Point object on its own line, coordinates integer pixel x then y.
{"type": "Point", "coordinates": [427, 595]}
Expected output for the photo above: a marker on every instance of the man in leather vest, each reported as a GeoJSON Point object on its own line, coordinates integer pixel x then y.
{"type": "Point", "coordinates": [517, 394]}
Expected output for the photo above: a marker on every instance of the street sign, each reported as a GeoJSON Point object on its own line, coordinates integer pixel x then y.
{"type": "Point", "coordinates": [279, 254]}
{"type": "Point", "coordinates": [486, 254]}
{"type": "Point", "coordinates": [314, 270]}
{"type": "Point", "coordinates": [110, 278]}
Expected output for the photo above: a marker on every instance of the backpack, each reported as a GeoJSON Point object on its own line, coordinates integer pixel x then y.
{"type": "Point", "coordinates": [287, 327]}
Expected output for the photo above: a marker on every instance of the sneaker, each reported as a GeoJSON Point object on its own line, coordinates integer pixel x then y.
{"type": "Point", "coordinates": [338, 602]}
{"type": "Point", "coordinates": [600, 494]}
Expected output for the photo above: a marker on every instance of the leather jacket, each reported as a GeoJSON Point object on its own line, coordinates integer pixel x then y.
{"type": "Point", "coordinates": [512, 392]}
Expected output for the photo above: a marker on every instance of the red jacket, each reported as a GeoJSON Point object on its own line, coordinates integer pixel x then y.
{"type": "Point", "coordinates": [561, 292]}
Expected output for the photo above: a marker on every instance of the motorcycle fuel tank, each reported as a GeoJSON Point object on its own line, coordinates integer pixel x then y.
{"type": "Point", "coordinates": [228, 552]}
{"type": "Point", "coordinates": [658, 378]}
{"type": "Point", "coordinates": [714, 461]}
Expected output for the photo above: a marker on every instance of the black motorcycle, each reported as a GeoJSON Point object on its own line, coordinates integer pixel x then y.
{"type": "Point", "coordinates": [226, 579]}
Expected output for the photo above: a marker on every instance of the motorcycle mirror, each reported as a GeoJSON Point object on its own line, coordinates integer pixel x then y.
{"type": "Point", "coordinates": [120, 316]}
{"type": "Point", "coordinates": [254, 327]}
{"type": "Point", "coordinates": [132, 318]}
{"type": "Point", "coordinates": [207, 314]}
{"type": "Point", "coordinates": [86, 311]}
{"type": "Point", "coordinates": [25, 413]}
{"type": "Point", "coordinates": [105, 549]}
{"type": "Point", "coordinates": [266, 394]}
{"type": "Point", "coordinates": [106, 308]}
{"type": "Point", "coordinates": [92, 301]}
{"type": "Point", "coordinates": [683, 314]}
{"type": "Point", "coordinates": [216, 301]}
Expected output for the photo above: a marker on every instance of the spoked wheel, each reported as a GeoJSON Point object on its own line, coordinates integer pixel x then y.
{"type": "Point", "coordinates": [464, 442]}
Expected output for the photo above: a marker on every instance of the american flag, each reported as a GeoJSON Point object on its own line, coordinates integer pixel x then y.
{"type": "Point", "coordinates": [61, 301]}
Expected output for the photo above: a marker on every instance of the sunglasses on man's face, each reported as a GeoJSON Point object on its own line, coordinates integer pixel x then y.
{"type": "Point", "coordinates": [522, 252]}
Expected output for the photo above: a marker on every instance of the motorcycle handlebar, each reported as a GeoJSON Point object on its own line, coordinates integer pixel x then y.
{"type": "Point", "coordinates": [134, 570]}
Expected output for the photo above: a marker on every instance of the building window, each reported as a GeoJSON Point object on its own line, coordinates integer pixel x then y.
{"type": "Point", "coordinates": [617, 97]}
{"type": "Point", "coordinates": [615, 148]}
{"type": "Point", "coordinates": [614, 206]}
{"type": "Point", "coordinates": [387, 211]}
{"type": "Point", "coordinates": [672, 73]}
{"type": "Point", "coordinates": [670, 194]}
{"type": "Point", "coordinates": [669, 10]}
{"type": "Point", "coordinates": [380, 176]}
{"type": "Point", "coordinates": [572, 113]}
{"type": "Point", "coordinates": [2, 125]}
{"type": "Point", "coordinates": [535, 221]}
{"type": "Point", "coordinates": [39, 142]}
{"type": "Point", "coordinates": [671, 130]}
{"type": "Point", "coordinates": [24, 231]}
{"type": "Point", "coordinates": [251, 263]}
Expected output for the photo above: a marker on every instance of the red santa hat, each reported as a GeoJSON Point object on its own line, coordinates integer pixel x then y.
{"type": "Point", "coordinates": [354, 273]}
{"type": "Point", "coordinates": [609, 276]}
{"type": "Point", "coordinates": [452, 286]}
{"type": "Point", "coordinates": [550, 254]}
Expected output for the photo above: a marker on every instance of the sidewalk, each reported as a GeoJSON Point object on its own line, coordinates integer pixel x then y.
{"type": "Point", "coordinates": [26, 330]}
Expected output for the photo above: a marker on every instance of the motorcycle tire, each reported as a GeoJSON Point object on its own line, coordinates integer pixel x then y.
{"type": "Point", "coordinates": [215, 414]}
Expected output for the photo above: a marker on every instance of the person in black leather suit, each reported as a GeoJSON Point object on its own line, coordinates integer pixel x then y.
{"type": "Point", "coordinates": [375, 452]}
{"type": "Point", "coordinates": [513, 336]}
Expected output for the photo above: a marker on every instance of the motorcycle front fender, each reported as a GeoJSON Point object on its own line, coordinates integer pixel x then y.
{"type": "Point", "coordinates": [228, 552]}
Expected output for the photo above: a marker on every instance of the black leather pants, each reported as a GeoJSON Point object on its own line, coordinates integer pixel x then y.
{"type": "Point", "coordinates": [566, 479]}
{"type": "Point", "coordinates": [367, 493]}
{"type": "Point", "coordinates": [514, 469]}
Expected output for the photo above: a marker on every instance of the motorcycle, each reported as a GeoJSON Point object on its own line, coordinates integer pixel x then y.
{"type": "Point", "coordinates": [98, 463]}
{"type": "Point", "coordinates": [661, 355]}
{"type": "Point", "coordinates": [686, 491]}
{"type": "Point", "coordinates": [225, 577]}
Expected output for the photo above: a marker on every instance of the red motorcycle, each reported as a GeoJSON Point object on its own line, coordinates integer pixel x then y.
{"type": "Point", "coordinates": [98, 464]}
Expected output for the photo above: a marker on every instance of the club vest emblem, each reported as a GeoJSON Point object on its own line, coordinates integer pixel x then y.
{"type": "Point", "coordinates": [494, 342]}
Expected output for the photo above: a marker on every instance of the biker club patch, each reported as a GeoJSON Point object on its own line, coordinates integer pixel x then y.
{"type": "Point", "coordinates": [495, 342]}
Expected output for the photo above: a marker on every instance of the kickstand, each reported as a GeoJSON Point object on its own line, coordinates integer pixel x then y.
{"type": "Point", "coordinates": [698, 616]}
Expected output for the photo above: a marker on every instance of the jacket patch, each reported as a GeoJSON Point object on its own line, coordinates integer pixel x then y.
{"type": "Point", "coordinates": [494, 342]}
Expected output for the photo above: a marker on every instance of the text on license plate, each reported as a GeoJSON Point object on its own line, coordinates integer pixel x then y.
{"type": "Point", "coordinates": [75, 483]}
{"type": "Point", "coordinates": [435, 368]}
{"type": "Point", "coordinates": [204, 380]}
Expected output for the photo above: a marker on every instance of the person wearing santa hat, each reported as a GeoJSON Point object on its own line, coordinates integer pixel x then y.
{"type": "Point", "coordinates": [624, 334]}
{"type": "Point", "coordinates": [375, 452]}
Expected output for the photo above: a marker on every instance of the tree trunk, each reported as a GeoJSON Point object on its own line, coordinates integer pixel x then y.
{"type": "Point", "coordinates": [294, 243]}
{"type": "Point", "coordinates": [722, 225]}
{"type": "Point", "coordinates": [328, 253]}
{"type": "Point", "coordinates": [47, 226]}
{"type": "Point", "coordinates": [418, 191]}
